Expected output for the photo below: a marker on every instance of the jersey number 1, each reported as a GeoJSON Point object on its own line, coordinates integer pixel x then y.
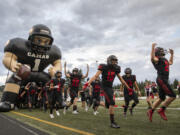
{"type": "Point", "coordinates": [36, 64]}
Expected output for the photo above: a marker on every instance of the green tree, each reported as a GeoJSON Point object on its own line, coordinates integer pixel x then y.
{"type": "Point", "coordinates": [175, 83]}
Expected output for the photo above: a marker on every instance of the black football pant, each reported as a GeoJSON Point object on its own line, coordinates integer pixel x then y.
{"type": "Point", "coordinates": [128, 98]}
{"type": "Point", "coordinates": [164, 88]}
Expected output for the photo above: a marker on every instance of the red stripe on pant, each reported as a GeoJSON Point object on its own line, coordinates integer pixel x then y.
{"type": "Point", "coordinates": [165, 88]}
{"type": "Point", "coordinates": [106, 97]}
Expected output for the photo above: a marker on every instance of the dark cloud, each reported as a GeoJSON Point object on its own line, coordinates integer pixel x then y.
{"type": "Point", "coordinates": [118, 27]}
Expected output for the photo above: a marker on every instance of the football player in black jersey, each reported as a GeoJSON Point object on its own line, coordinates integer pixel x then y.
{"type": "Point", "coordinates": [130, 95]}
{"type": "Point", "coordinates": [161, 64]}
{"type": "Point", "coordinates": [75, 78]}
{"type": "Point", "coordinates": [57, 89]}
{"type": "Point", "coordinates": [38, 52]}
{"type": "Point", "coordinates": [179, 89]}
{"type": "Point", "coordinates": [154, 89]}
{"type": "Point", "coordinates": [43, 96]}
{"type": "Point", "coordinates": [31, 91]}
{"type": "Point", "coordinates": [95, 89]}
{"type": "Point", "coordinates": [109, 71]}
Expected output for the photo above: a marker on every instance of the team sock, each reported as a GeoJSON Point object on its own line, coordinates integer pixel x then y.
{"type": "Point", "coordinates": [112, 118]}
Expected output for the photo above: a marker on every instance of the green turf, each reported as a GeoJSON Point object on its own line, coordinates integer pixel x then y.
{"type": "Point", "coordinates": [99, 125]}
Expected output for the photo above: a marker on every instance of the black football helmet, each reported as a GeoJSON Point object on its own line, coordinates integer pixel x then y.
{"type": "Point", "coordinates": [112, 58]}
{"type": "Point", "coordinates": [128, 71]}
{"type": "Point", "coordinates": [159, 51]}
{"type": "Point", "coordinates": [75, 70]}
{"type": "Point", "coordinates": [40, 30]}
{"type": "Point", "coordinates": [57, 72]}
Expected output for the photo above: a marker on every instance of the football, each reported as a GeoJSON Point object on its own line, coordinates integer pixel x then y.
{"type": "Point", "coordinates": [24, 71]}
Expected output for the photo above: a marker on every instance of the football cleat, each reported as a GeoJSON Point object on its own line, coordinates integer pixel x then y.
{"type": "Point", "coordinates": [51, 116]}
{"type": "Point", "coordinates": [57, 113]}
{"type": "Point", "coordinates": [115, 125]}
{"type": "Point", "coordinates": [75, 112]}
{"type": "Point", "coordinates": [162, 114]}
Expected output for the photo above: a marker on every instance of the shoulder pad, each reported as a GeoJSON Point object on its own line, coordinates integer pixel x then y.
{"type": "Point", "coordinates": [101, 67]}
{"type": "Point", "coordinates": [15, 45]}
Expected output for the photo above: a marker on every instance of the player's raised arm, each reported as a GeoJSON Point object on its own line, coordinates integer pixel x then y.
{"type": "Point", "coordinates": [153, 57]}
{"type": "Point", "coordinates": [84, 76]}
{"type": "Point", "coordinates": [66, 74]}
{"type": "Point", "coordinates": [171, 57]}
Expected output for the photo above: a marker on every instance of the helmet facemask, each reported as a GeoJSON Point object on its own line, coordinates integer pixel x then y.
{"type": "Point", "coordinates": [128, 71]}
{"type": "Point", "coordinates": [40, 44]}
{"type": "Point", "coordinates": [112, 60]}
{"type": "Point", "coordinates": [40, 38]}
{"type": "Point", "coordinates": [160, 52]}
{"type": "Point", "coordinates": [75, 71]}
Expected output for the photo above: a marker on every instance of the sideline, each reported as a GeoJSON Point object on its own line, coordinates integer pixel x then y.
{"type": "Point", "coordinates": [53, 124]}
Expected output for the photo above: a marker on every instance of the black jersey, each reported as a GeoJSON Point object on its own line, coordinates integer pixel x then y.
{"type": "Point", "coordinates": [96, 88]}
{"type": "Point", "coordinates": [32, 90]}
{"type": "Point", "coordinates": [130, 81]}
{"type": "Point", "coordinates": [38, 62]}
{"type": "Point", "coordinates": [108, 74]}
{"type": "Point", "coordinates": [162, 68]}
{"type": "Point", "coordinates": [75, 80]}
{"type": "Point", "coordinates": [58, 84]}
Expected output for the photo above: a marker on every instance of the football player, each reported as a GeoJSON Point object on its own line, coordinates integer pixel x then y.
{"type": "Point", "coordinates": [154, 89]}
{"type": "Point", "coordinates": [56, 96]}
{"type": "Point", "coordinates": [161, 64]}
{"type": "Point", "coordinates": [31, 89]}
{"type": "Point", "coordinates": [43, 96]}
{"type": "Point", "coordinates": [149, 94]}
{"type": "Point", "coordinates": [75, 78]}
{"type": "Point", "coordinates": [109, 71]}
{"type": "Point", "coordinates": [130, 95]}
{"type": "Point", "coordinates": [95, 88]}
{"type": "Point", "coordinates": [179, 89]}
{"type": "Point", "coordinates": [38, 52]}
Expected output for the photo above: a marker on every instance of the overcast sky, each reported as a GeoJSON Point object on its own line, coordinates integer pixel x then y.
{"type": "Point", "coordinates": [87, 31]}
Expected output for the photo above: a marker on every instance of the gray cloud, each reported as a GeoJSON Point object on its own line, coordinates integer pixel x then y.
{"type": "Point", "coordinates": [117, 26]}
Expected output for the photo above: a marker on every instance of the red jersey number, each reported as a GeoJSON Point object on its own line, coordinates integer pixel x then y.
{"type": "Point", "coordinates": [166, 66]}
{"type": "Point", "coordinates": [75, 82]}
{"type": "Point", "coordinates": [110, 76]}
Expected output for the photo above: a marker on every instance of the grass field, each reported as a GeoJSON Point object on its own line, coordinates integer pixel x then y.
{"type": "Point", "coordinates": [137, 124]}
